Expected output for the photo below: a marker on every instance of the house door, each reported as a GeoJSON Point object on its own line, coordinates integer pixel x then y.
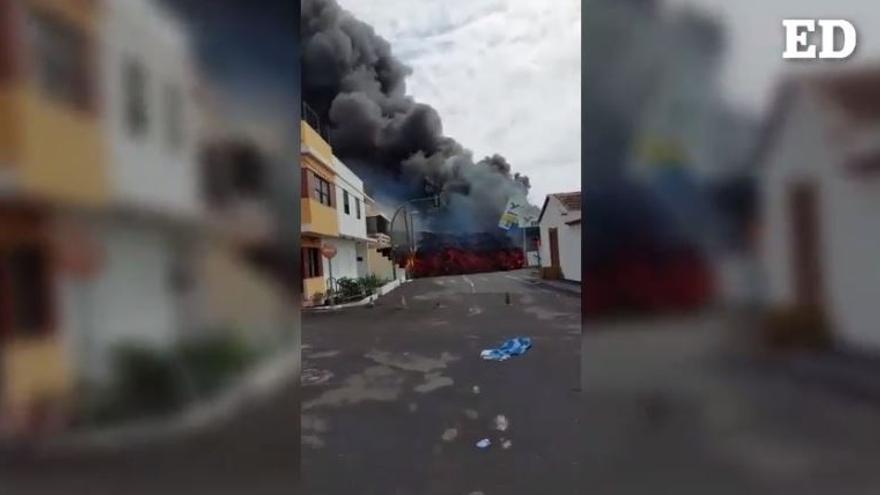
{"type": "Point", "coordinates": [804, 244]}
{"type": "Point", "coordinates": [554, 248]}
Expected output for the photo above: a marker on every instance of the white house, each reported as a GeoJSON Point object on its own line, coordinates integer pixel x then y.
{"type": "Point", "coordinates": [145, 237]}
{"type": "Point", "coordinates": [351, 260]}
{"type": "Point", "coordinates": [149, 113]}
{"type": "Point", "coordinates": [560, 225]}
{"type": "Point", "coordinates": [820, 197]}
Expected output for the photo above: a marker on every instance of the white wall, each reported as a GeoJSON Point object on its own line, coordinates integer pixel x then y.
{"type": "Point", "coordinates": [146, 171]}
{"type": "Point", "coordinates": [130, 300]}
{"type": "Point", "coordinates": [345, 262]}
{"type": "Point", "coordinates": [349, 224]}
{"type": "Point", "coordinates": [849, 230]}
{"type": "Point", "coordinates": [569, 239]}
{"type": "Point", "coordinates": [570, 251]}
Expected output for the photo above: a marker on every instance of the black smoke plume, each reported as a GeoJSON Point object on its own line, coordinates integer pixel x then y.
{"type": "Point", "coordinates": [356, 86]}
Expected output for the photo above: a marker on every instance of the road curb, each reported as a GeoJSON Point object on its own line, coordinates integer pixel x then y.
{"type": "Point", "coordinates": [256, 385]}
{"type": "Point", "coordinates": [385, 289]}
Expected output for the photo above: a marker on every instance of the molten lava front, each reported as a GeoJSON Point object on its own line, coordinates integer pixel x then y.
{"type": "Point", "coordinates": [458, 254]}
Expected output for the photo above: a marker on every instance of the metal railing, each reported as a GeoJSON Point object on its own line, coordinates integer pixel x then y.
{"type": "Point", "coordinates": [311, 118]}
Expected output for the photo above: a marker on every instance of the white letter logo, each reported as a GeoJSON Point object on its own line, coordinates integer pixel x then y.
{"type": "Point", "coordinates": [796, 37]}
{"type": "Point", "coordinates": [849, 39]}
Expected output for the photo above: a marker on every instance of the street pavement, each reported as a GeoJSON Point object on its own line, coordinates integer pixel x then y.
{"type": "Point", "coordinates": [409, 396]}
{"type": "Point", "coordinates": [678, 404]}
{"type": "Point", "coordinates": [256, 452]}
{"type": "Point", "coordinates": [395, 397]}
{"type": "Point", "coordinates": [684, 404]}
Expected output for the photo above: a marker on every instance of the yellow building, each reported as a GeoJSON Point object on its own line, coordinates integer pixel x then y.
{"type": "Point", "coordinates": [50, 160]}
{"type": "Point", "coordinates": [318, 208]}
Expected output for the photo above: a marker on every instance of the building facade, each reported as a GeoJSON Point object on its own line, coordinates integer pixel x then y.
{"type": "Point", "coordinates": [560, 225]}
{"type": "Point", "coordinates": [819, 179]}
{"type": "Point", "coordinates": [318, 204]}
{"type": "Point", "coordinates": [48, 94]}
{"type": "Point", "coordinates": [351, 245]}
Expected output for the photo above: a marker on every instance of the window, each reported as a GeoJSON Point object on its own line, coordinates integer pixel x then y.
{"type": "Point", "coordinates": [60, 60]}
{"type": "Point", "coordinates": [134, 82]}
{"type": "Point", "coordinates": [345, 206]}
{"type": "Point", "coordinates": [323, 191]}
{"type": "Point", "coordinates": [311, 263]}
{"type": "Point", "coordinates": [174, 117]}
{"type": "Point", "coordinates": [24, 274]}
{"type": "Point", "coordinates": [357, 207]}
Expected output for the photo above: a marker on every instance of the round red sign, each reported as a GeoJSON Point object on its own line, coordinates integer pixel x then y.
{"type": "Point", "coordinates": [328, 251]}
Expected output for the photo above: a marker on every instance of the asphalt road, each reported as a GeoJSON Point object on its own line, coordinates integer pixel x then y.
{"type": "Point", "coordinates": [395, 398]}
{"type": "Point", "coordinates": [254, 453]}
{"type": "Point", "coordinates": [409, 396]}
{"type": "Point", "coordinates": [669, 405]}
{"type": "Point", "coordinates": [683, 404]}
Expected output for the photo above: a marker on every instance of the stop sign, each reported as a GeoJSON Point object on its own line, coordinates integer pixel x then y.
{"type": "Point", "coordinates": [328, 251]}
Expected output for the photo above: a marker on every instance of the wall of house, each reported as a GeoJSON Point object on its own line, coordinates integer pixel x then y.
{"type": "Point", "coordinates": [570, 251]}
{"type": "Point", "coordinates": [345, 262]}
{"type": "Point", "coordinates": [848, 231]}
{"type": "Point", "coordinates": [551, 218]}
{"type": "Point", "coordinates": [798, 154]}
{"type": "Point", "coordinates": [33, 368]}
{"type": "Point", "coordinates": [316, 217]}
{"type": "Point", "coordinates": [569, 240]}
{"type": "Point", "coordinates": [72, 170]}
{"type": "Point", "coordinates": [312, 143]}
{"type": "Point", "coordinates": [238, 298]}
{"type": "Point", "coordinates": [349, 224]}
{"type": "Point", "coordinates": [148, 169]}
{"type": "Point", "coordinates": [363, 266]}
{"type": "Point", "coordinates": [381, 266]}
{"type": "Point", "coordinates": [129, 301]}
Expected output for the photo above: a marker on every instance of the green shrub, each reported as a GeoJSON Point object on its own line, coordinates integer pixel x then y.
{"type": "Point", "coordinates": [318, 298]}
{"type": "Point", "coordinates": [210, 363]}
{"type": "Point", "coordinates": [372, 282]}
{"type": "Point", "coordinates": [349, 287]}
{"type": "Point", "coordinates": [148, 382]}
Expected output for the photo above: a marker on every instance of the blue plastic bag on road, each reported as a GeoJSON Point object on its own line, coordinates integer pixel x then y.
{"type": "Point", "coordinates": [513, 347]}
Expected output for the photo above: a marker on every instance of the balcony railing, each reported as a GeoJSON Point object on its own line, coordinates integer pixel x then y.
{"type": "Point", "coordinates": [314, 121]}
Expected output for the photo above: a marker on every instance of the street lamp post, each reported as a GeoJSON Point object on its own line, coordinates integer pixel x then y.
{"type": "Point", "coordinates": [409, 236]}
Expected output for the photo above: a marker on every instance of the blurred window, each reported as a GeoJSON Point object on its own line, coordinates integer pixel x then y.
{"type": "Point", "coordinates": [312, 265]}
{"type": "Point", "coordinates": [323, 191]}
{"type": "Point", "coordinates": [357, 207]}
{"type": "Point", "coordinates": [174, 117]}
{"type": "Point", "coordinates": [345, 205]}
{"type": "Point", "coordinates": [25, 276]}
{"type": "Point", "coordinates": [134, 82]}
{"type": "Point", "coordinates": [61, 61]}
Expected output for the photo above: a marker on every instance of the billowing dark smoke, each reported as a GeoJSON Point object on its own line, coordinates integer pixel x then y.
{"type": "Point", "coordinates": [358, 88]}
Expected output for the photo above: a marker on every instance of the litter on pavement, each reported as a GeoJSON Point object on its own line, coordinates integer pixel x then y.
{"type": "Point", "coordinates": [513, 347]}
{"type": "Point", "coordinates": [484, 443]}
{"type": "Point", "coordinates": [501, 423]}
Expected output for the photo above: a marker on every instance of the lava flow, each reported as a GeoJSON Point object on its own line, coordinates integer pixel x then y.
{"type": "Point", "coordinates": [459, 254]}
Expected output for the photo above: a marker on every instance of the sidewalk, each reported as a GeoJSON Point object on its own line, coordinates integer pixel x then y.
{"type": "Point", "coordinates": [853, 375]}
{"type": "Point", "coordinates": [258, 384]}
{"type": "Point", "coordinates": [562, 285]}
{"type": "Point", "coordinates": [385, 289]}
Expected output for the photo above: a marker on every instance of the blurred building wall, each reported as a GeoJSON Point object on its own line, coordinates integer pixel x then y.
{"type": "Point", "coordinates": [149, 110]}
{"type": "Point", "coordinates": [819, 232]}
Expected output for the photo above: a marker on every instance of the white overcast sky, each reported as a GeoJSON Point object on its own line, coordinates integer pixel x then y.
{"type": "Point", "coordinates": [505, 76]}
{"type": "Point", "coordinates": [754, 27]}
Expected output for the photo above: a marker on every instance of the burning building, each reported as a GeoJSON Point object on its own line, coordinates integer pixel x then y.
{"type": "Point", "coordinates": [356, 89]}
